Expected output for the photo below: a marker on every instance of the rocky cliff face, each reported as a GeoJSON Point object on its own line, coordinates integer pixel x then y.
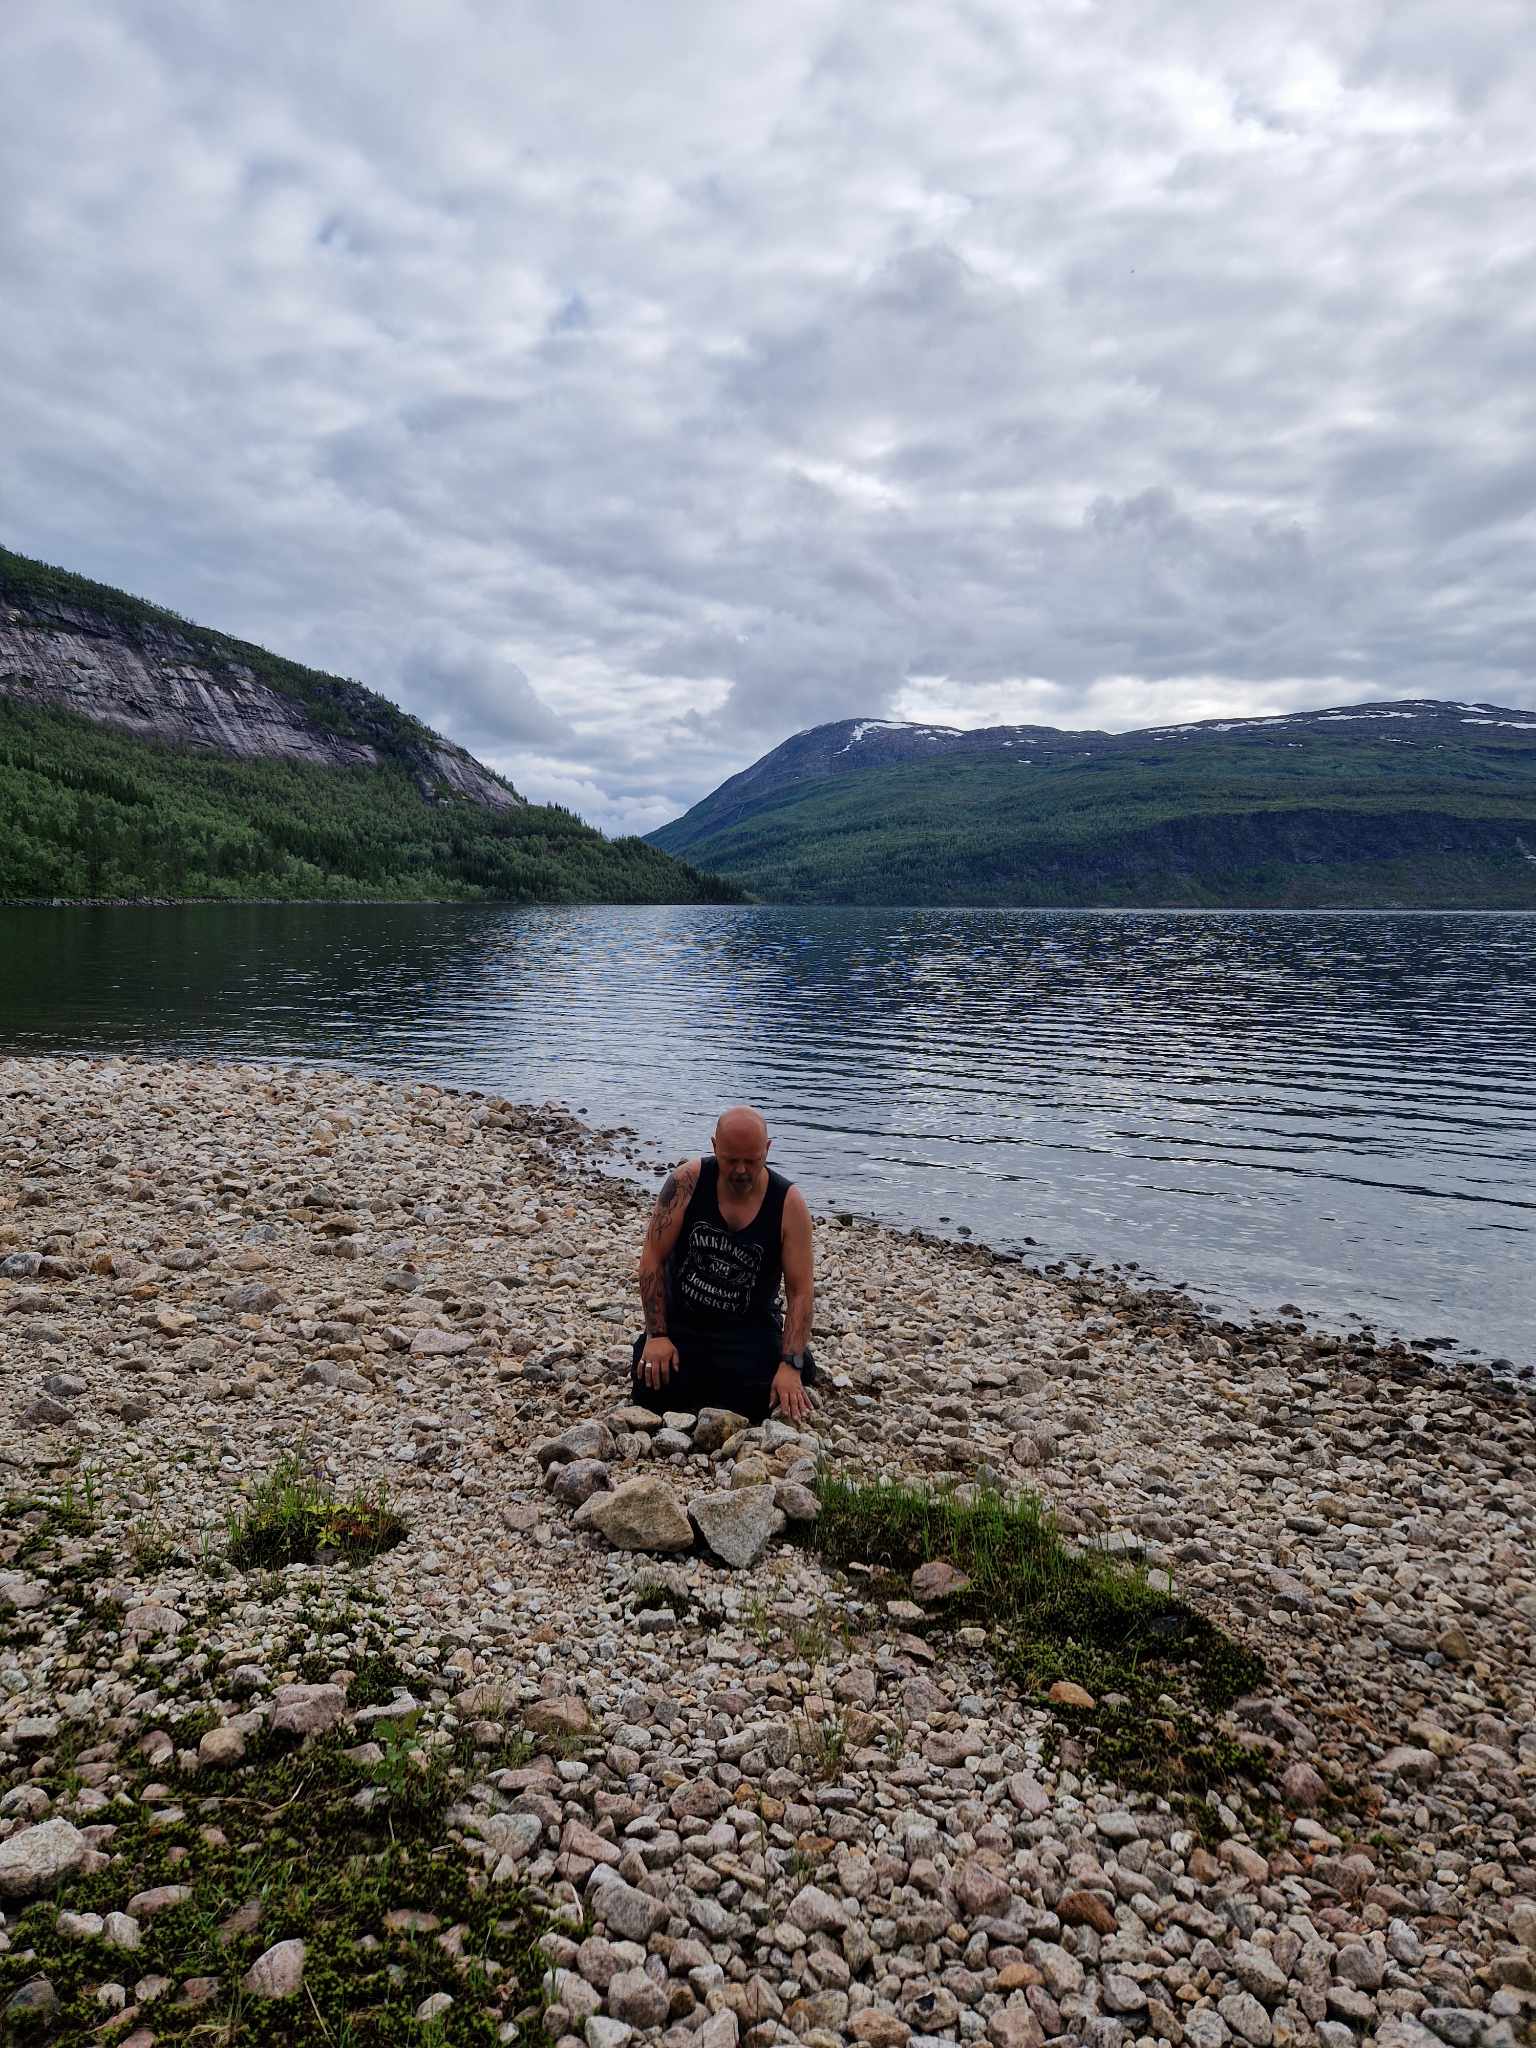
{"type": "Point", "coordinates": [165, 685]}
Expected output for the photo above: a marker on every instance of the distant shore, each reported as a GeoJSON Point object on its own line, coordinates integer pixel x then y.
{"type": "Point", "coordinates": [224, 902]}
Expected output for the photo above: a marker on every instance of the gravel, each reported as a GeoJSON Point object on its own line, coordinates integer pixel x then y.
{"type": "Point", "coordinates": [204, 1268]}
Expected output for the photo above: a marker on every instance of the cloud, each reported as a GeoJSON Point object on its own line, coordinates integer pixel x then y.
{"type": "Point", "coordinates": [624, 388]}
{"type": "Point", "coordinates": [487, 703]}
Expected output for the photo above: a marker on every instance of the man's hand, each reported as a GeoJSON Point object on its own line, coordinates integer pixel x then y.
{"type": "Point", "coordinates": [789, 1397]}
{"type": "Point", "coordinates": [658, 1361]}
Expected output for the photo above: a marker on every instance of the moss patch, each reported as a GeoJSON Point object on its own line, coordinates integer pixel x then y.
{"type": "Point", "coordinates": [308, 1844]}
{"type": "Point", "coordinates": [1158, 1671]}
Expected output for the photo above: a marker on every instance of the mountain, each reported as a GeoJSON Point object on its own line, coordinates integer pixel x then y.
{"type": "Point", "coordinates": [141, 755]}
{"type": "Point", "coordinates": [1410, 805]}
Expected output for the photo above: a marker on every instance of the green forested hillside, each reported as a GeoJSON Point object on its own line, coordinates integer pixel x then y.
{"type": "Point", "coordinates": [87, 811]}
{"type": "Point", "coordinates": [1429, 812]}
{"type": "Point", "coordinates": [142, 755]}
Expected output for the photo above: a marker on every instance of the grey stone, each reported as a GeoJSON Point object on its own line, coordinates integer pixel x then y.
{"type": "Point", "coordinates": [631, 1914]}
{"type": "Point", "coordinates": [1398, 2032]}
{"type": "Point", "coordinates": [817, 1912]}
{"type": "Point", "coordinates": [637, 1999]}
{"type": "Point", "coordinates": [1361, 1966]}
{"type": "Point", "coordinates": [22, 1594]}
{"type": "Point", "coordinates": [1117, 1827]}
{"type": "Point", "coordinates": [1257, 1971]}
{"type": "Point", "coordinates": [1247, 2018]}
{"type": "Point", "coordinates": [1028, 1795]}
{"type": "Point", "coordinates": [121, 1930]}
{"type": "Point", "coordinates": [739, 1524]}
{"type": "Point", "coordinates": [722, 2030]}
{"type": "Point", "coordinates": [642, 1514]}
{"type": "Point", "coordinates": [1122, 1993]}
{"type": "Point", "coordinates": [582, 1440]}
{"type": "Point", "coordinates": [796, 1502]}
{"type": "Point", "coordinates": [603, 2032]}
{"type": "Point", "coordinates": [158, 1899]}
{"type": "Point", "coordinates": [36, 1995]}
{"type": "Point", "coordinates": [1015, 2026]}
{"type": "Point", "coordinates": [716, 1426]}
{"type": "Point", "coordinates": [579, 1480]}
{"type": "Point", "coordinates": [441, 1343]}
{"type": "Point", "coordinates": [307, 1709]}
{"type": "Point", "coordinates": [278, 1972]}
{"type": "Point", "coordinates": [35, 1859]}
{"type": "Point", "coordinates": [46, 1413]}
{"type": "Point", "coordinates": [1206, 2030]}
{"type": "Point", "coordinates": [1063, 1974]}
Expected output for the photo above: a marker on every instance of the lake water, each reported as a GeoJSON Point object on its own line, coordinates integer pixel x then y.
{"type": "Point", "coordinates": [1333, 1110]}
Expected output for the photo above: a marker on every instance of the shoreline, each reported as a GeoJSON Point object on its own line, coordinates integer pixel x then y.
{"type": "Point", "coordinates": [789, 903]}
{"type": "Point", "coordinates": [205, 1265]}
{"type": "Point", "coordinates": [258, 902]}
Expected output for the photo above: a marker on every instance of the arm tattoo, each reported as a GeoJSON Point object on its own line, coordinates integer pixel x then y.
{"type": "Point", "coordinates": [675, 1195]}
{"type": "Point", "coordinates": [653, 1293]}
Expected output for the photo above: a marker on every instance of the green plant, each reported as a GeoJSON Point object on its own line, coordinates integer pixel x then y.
{"type": "Point", "coordinates": [290, 1517]}
{"type": "Point", "coordinates": [149, 1545]}
{"type": "Point", "coordinates": [822, 1744]}
{"type": "Point", "coordinates": [656, 1593]}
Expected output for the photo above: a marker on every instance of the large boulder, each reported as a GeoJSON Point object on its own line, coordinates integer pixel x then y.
{"type": "Point", "coordinates": [34, 1859]}
{"type": "Point", "coordinates": [738, 1524]}
{"type": "Point", "coordinates": [642, 1514]}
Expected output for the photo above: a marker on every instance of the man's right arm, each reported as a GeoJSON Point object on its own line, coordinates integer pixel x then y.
{"type": "Point", "coordinates": [660, 1240]}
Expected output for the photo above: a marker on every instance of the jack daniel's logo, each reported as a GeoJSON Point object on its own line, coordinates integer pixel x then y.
{"type": "Point", "coordinates": [719, 1271]}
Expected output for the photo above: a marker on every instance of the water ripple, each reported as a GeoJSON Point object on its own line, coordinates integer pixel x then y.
{"type": "Point", "coordinates": [1330, 1108]}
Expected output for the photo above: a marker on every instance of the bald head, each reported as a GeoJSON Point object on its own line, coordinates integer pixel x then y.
{"type": "Point", "coordinates": [742, 1130]}
{"type": "Point", "coordinates": [741, 1148]}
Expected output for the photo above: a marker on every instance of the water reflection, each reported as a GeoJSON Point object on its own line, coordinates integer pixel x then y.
{"type": "Point", "coordinates": [1330, 1108]}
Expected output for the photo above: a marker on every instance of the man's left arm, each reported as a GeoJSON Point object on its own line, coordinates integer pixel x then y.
{"type": "Point", "coordinates": [789, 1396]}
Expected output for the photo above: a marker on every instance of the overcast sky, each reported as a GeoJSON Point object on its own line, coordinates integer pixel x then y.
{"type": "Point", "coordinates": [623, 385]}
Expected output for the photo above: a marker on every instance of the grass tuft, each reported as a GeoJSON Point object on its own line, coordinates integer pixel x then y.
{"type": "Point", "coordinates": [291, 1517]}
{"type": "Point", "coordinates": [655, 1593]}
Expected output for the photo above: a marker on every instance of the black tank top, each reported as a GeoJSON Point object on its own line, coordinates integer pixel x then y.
{"type": "Point", "coordinates": [724, 1279]}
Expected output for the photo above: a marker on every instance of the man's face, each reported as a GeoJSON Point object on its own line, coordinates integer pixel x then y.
{"type": "Point", "coordinates": [741, 1161]}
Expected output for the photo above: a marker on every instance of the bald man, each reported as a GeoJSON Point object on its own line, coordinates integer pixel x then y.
{"type": "Point", "coordinates": [725, 1231]}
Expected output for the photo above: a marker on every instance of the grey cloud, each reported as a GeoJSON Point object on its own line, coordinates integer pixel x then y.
{"type": "Point", "coordinates": [624, 388]}
{"type": "Point", "coordinates": [488, 705]}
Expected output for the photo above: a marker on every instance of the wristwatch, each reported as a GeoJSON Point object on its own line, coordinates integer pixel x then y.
{"type": "Point", "coordinates": [794, 1358]}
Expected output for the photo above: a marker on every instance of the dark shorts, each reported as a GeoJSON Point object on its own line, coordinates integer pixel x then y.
{"type": "Point", "coordinates": [716, 1369]}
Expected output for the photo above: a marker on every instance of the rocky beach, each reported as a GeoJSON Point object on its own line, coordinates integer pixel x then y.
{"type": "Point", "coordinates": [668, 1768]}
